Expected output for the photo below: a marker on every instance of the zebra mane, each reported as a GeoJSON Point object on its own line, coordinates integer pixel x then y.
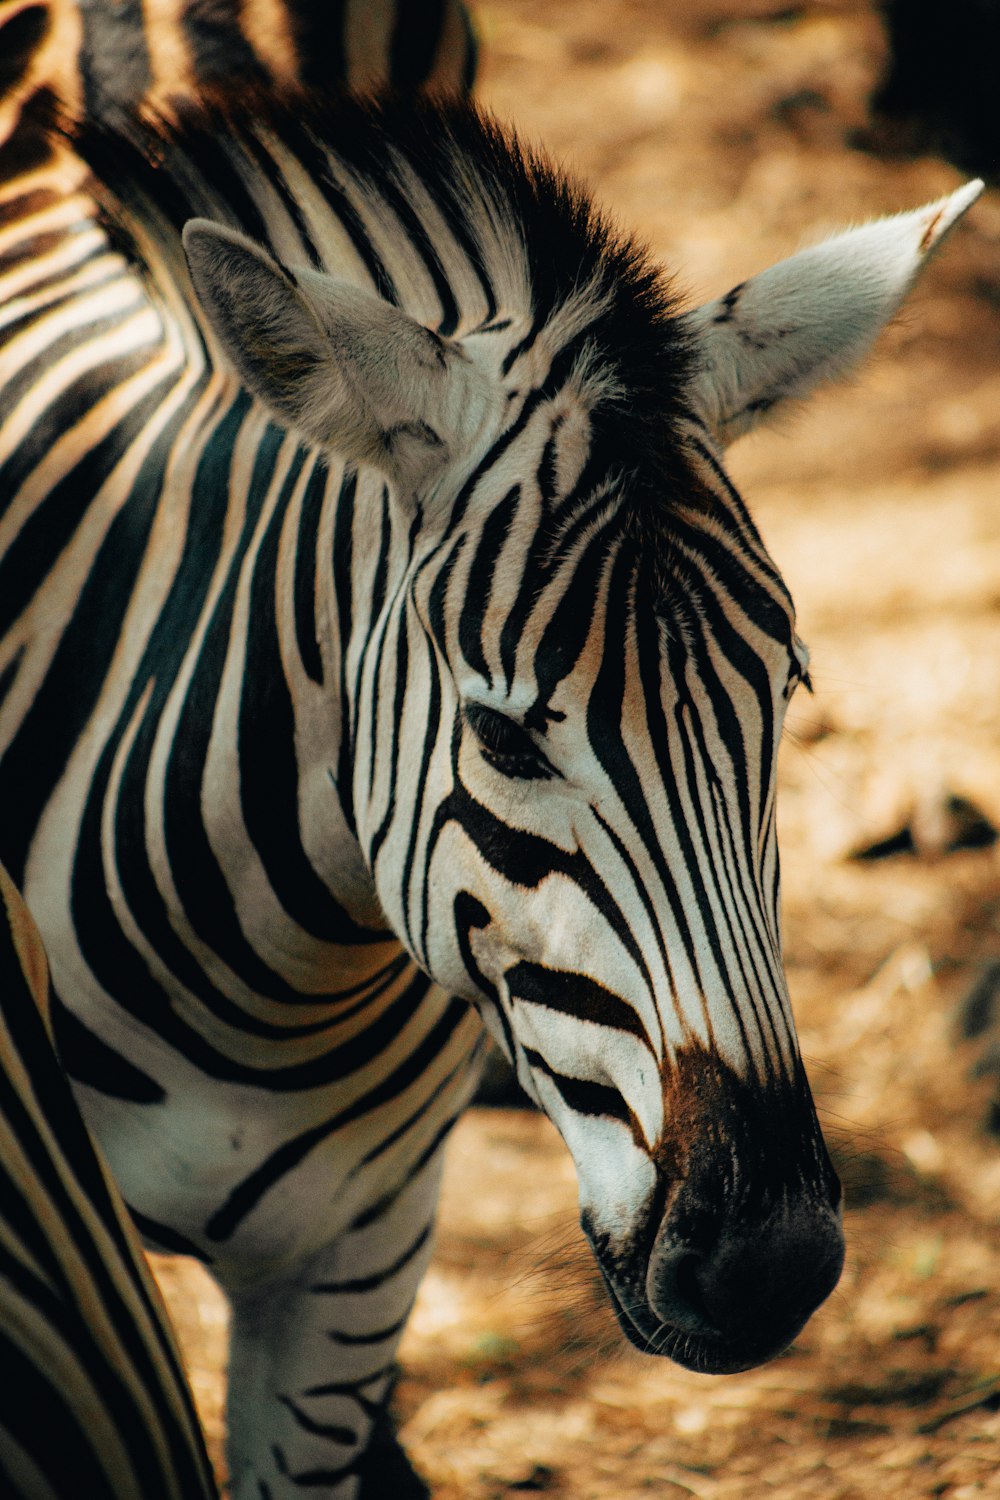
{"type": "Point", "coordinates": [495, 228]}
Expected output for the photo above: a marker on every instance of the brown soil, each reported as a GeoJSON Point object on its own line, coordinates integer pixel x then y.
{"type": "Point", "coordinates": [723, 133]}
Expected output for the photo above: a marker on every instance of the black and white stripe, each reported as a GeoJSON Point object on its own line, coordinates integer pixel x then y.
{"type": "Point", "coordinates": [428, 668]}
{"type": "Point", "coordinates": [95, 1401]}
{"type": "Point", "coordinates": [163, 51]}
{"type": "Point", "coordinates": [104, 58]}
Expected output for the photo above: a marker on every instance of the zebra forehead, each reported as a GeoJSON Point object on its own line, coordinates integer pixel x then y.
{"type": "Point", "coordinates": [625, 568]}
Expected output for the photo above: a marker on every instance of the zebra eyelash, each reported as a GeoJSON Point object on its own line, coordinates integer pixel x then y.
{"type": "Point", "coordinates": [506, 745]}
{"type": "Point", "coordinates": [798, 678]}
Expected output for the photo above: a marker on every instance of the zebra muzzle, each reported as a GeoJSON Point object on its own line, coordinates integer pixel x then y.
{"type": "Point", "coordinates": [729, 1299]}
{"type": "Point", "coordinates": [742, 1238]}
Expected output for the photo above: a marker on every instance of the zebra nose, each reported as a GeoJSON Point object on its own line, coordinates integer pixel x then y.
{"type": "Point", "coordinates": [749, 1290]}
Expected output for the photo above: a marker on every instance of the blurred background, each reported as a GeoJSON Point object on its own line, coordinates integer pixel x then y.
{"type": "Point", "coordinates": [729, 135]}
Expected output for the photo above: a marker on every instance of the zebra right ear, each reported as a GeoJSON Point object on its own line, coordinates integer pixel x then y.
{"type": "Point", "coordinates": [346, 369]}
{"type": "Point", "coordinates": [771, 340]}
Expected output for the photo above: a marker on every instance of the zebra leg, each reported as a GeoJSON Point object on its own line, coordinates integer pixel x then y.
{"type": "Point", "coordinates": [312, 1360]}
{"type": "Point", "coordinates": [385, 1468]}
{"type": "Point", "coordinates": [94, 1401]}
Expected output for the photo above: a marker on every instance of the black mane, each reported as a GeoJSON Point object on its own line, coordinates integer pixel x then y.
{"type": "Point", "coordinates": [161, 174]}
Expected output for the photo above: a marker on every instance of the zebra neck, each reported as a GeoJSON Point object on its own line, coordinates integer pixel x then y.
{"type": "Point", "coordinates": [285, 638]}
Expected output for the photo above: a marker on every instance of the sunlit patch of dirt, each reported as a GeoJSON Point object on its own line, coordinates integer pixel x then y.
{"type": "Point", "coordinates": [517, 1379]}
{"type": "Point", "coordinates": [723, 132]}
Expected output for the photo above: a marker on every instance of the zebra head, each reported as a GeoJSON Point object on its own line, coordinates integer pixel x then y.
{"type": "Point", "coordinates": [568, 679]}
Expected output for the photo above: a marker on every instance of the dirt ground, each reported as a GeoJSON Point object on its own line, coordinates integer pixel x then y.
{"type": "Point", "coordinates": [723, 133]}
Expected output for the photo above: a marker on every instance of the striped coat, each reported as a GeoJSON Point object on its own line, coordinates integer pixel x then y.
{"type": "Point", "coordinates": [385, 651]}
{"type": "Point", "coordinates": [100, 58]}
{"type": "Point", "coordinates": [95, 1402]}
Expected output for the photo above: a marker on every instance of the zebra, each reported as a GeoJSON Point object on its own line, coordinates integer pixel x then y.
{"type": "Point", "coordinates": [101, 58]}
{"type": "Point", "coordinates": [95, 1401]}
{"type": "Point", "coordinates": [386, 659]}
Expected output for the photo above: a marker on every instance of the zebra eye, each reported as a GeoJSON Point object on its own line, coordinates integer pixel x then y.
{"type": "Point", "coordinates": [506, 745]}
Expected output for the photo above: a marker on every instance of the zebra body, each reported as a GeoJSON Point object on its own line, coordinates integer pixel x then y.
{"type": "Point", "coordinates": [161, 51]}
{"type": "Point", "coordinates": [434, 642]}
{"type": "Point", "coordinates": [95, 1401]}
{"type": "Point", "coordinates": [102, 58]}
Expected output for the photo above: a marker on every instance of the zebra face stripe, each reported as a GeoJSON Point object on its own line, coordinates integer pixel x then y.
{"type": "Point", "coordinates": [592, 759]}
{"type": "Point", "coordinates": [654, 731]}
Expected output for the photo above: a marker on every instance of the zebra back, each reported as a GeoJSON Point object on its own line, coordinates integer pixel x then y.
{"type": "Point", "coordinates": [40, 43]}
{"type": "Point", "coordinates": [100, 58]}
{"type": "Point", "coordinates": [95, 1401]}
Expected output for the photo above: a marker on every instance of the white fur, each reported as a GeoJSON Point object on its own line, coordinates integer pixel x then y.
{"type": "Point", "coordinates": [809, 318]}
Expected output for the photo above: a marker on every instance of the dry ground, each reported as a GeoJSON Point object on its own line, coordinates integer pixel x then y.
{"type": "Point", "coordinates": [723, 133]}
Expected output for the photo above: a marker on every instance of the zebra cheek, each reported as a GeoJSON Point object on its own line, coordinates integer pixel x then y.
{"type": "Point", "coordinates": [616, 1178]}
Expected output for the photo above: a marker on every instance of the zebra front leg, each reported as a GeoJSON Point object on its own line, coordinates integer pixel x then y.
{"type": "Point", "coordinates": [312, 1361]}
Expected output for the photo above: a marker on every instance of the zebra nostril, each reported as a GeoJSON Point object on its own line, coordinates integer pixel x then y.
{"type": "Point", "coordinates": [675, 1292]}
{"type": "Point", "coordinates": [688, 1288]}
{"type": "Point", "coordinates": [753, 1287]}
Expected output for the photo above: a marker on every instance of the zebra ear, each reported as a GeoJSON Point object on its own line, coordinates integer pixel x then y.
{"type": "Point", "coordinates": [347, 370]}
{"type": "Point", "coordinates": [810, 318]}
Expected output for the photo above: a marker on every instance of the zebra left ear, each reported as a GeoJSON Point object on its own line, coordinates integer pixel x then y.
{"type": "Point", "coordinates": [346, 369]}
{"type": "Point", "coordinates": [810, 318]}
